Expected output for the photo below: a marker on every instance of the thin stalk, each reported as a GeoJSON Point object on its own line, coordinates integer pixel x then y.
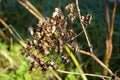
{"type": "Point", "coordinates": [3, 35]}
{"type": "Point", "coordinates": [55, 74]}
{"type": "Point", "coordinates": [16, 33]}
{"type": "Point", "coordinates": [33, 8]}
{"type": "Point", "coordinates": [110, 29]}
{"type": "Point", "coordinates": [94, 57]}
{"type": "Point", "coordinates": [107, 18]}
{"type": "Point", "coordinates": [75, 62]}
{"type": "Point", "coordinates": [30, 10]}
{"type": "Point", "coordinates": [11, 32]}
{"type": "Point", "coordinates": [102, 64]}
{"type": "Point", "coordinates": [113, 18]}
{"type": "Point", "coordinates": [11, 61]}
{"type": "Point", "coordinates": [87, 74]}
{"type": "Point", "coordinates": [84, 30]}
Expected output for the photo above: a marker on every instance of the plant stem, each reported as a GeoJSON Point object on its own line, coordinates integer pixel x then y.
{"type": "Point", "coordinates": [84, 30]}
{"type": "Point", "coordinates": [110, 29]}
{"type": "Point", "coordinates": [75, 62]}
{"type": "Point", "coordinates": [87, 74]}
{"type": "Point", "coordinates": [11, 32]}
{"type": "Point", "coordinates": [94, 57]}
{"type": "Point", "coordinates": [55, 74]}
{"type": "Point", "coordinates": [31, 9]}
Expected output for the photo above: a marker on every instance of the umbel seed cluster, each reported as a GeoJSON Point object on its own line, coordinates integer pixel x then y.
{"type": "Point", "coordinates": [49, 37]}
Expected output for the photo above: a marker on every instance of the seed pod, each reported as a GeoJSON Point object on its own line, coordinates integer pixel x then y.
{"type": "Point", "coordinates": [34, 66]}
{"type": "Point", "coordinates": [37, 35]}
{"type": "Point", "coordinates": [53, 64]}
{"type": "Point", "coordinates": [75, 46]}
{"type": "Point", "coordinates": [30, 29]}
{"type": "Point", "coordinates": [72, 17]}
{"type": "Point", "coordinates": [41, 62]}
{"type": "Point", "coordinates": [44, 68]}
{"type": "Point", "coordinates": [65, 59]}
{"type": "Point", "coordinates": [53, 29]}
{"type": "Point", "coordinates": [87, 19]}
{"type": "Point", "coordinates": [70, 7]}
{"type": "Point", "coordinates": [35, 43]}
{"type": "Point", "coordinates": [60, 45]}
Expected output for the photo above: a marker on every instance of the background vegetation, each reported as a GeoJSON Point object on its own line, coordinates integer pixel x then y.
{"type": "Point", "coordinates": [14, 66]}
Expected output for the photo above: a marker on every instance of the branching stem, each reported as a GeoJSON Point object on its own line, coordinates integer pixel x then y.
{"type": "Point", "coordinates": [84, 30]}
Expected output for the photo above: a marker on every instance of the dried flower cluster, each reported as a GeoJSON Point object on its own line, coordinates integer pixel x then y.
{"type": "Point", "coordinates": [72, 9]}
{"type": "Point", "coordinates": [86, 20]}
{"type": "Point", "coordinates": [49, 36]}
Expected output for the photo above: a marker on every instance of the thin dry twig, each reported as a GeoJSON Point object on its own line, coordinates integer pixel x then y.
{"type": "Point", "coordinates": [76, 35]}
{"type": "Point", "coordinates": [84, 30]}
{"type": "Point", "coordinates": [94, 57]}
{"type": "Point", "coordinates": [12, 33]}
{"type": "Point", "coordinates": [107, 18]}
{"type": "Point", "coordinates": [11, 61]}
{"type": "Point", "coordinates": [13, 29]}
{"type": "Point", "coordinates": [113, 17]}
{"type": "Point", "coordinates": [31, 9]}
{"type": "Point", "coordinates": [3, 35]}
{"type": "Point", "coordinates": [110, 29]}
{"type": "Point", "coordinates": [87, 74]}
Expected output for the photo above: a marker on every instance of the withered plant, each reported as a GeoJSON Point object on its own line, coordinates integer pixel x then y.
{"type": "Point", "coordinates": [49, 38]}
{"type": "Point", "coordinates": [54, 37]}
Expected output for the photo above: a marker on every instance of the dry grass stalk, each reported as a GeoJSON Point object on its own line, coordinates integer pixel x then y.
{"type": "Point", "coordinates": [110, 29]}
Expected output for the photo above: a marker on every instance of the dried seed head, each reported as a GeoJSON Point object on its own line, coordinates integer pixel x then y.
{"type": "Point", "coordinates": [53, 64]}
{"type": "Point", "coordinates": [82, 19]}
{"type": "Point", "coordinates": [50, 35]}
{"type": "Point", "coordinates": [41, 62]}
{"type": "Point", "coordinates": [35, 43]}
{"type": "Point", "coordinates": [34, 66]}
{"type": "Point", "coordinates": [70, 7]}
{"type": "Point", "coordinates": [65, 59]}
{"type": "Point", "coordinates": [37, 35]}
{"type": "Point", "coordinates": [86, 20]}
{"type": "Point", "coordinates": [53, 29]}
{"type": "Point", "coordinates": [41, 22]}
{"type": "Point", "coordinates": [30, 29]}
{"type": "Point", "coordinates": [89, 18]}
{"type": "Point", "coordinates": [75, 46]}
{"type": "Point", "coordinates": [30, 43]}
{"type": "Point", "coordinates": [72, 17]}
{"type": "Point", "coordinates": [70, 34]}
{"type": "Point", "coordinates": [56, 13]}
{"type": "Point", "coordinates": [44, 68]}
{"type": "Point", "coordinates": [46, 52]}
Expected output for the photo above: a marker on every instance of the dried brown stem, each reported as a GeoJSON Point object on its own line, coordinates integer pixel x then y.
{"type": "Point", "coordinates": [94, 57]}
{"type": "Point", "coordinates": [110, 29]}
{"type": "Point", "coordinates": [11, 61]}
{"type": "Point", "coordinates": [113, 18]}
{"type": "Point", "coordinates": [31, 9]}
{"type": "Point", "coordinates": [3, 35]}
{"type": "Point", "coordinates": [11, 32]}
{"type": "Point", "coordinates": [107, 18]}
{"type": "Point", "coordinates": [84, 30]}
{"type": "Point", "coordinates": [87, 74]}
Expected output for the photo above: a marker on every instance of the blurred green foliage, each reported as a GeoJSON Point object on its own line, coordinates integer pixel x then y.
{"type": "Point", "coordinates": [13, 13]}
